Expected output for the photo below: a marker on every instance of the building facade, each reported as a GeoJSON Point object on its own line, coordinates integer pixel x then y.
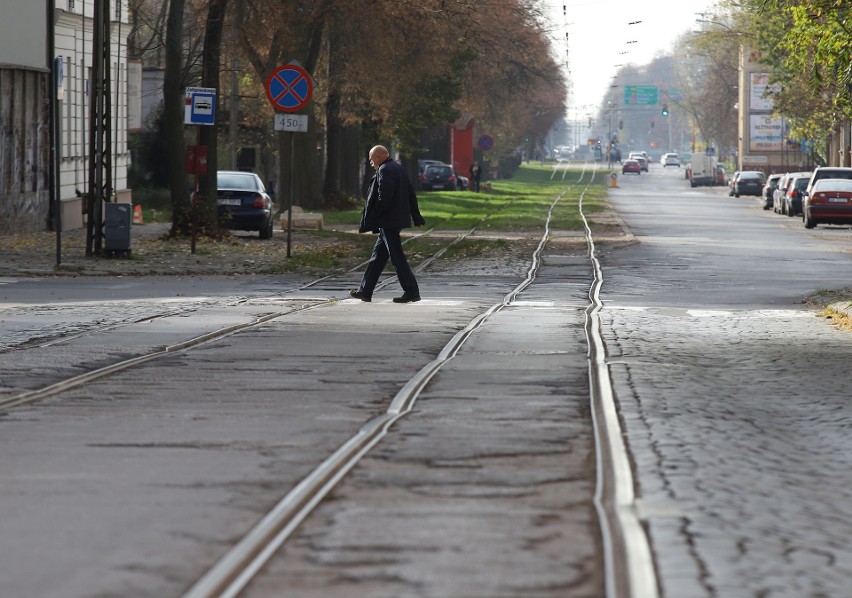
{"type": "Point", "coordinates": [31, 174]}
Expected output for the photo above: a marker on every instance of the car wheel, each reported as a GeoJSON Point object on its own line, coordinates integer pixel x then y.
{"type": "Point", "coordinates": [790, 211]}
{"type": "Point", "coordinates": [806, 218]}
{"type": "Point", "coordinates": [266, 229]}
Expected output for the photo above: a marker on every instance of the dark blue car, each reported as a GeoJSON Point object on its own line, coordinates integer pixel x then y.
{"type": "Point", "coordinates": [243, 203]}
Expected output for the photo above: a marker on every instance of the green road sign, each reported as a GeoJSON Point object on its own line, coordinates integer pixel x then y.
{"type": "Point", "coordinates": [640, 95]}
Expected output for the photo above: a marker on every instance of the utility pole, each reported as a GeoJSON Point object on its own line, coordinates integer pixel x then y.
{"type": "Point", "coordinates": [100, 137]}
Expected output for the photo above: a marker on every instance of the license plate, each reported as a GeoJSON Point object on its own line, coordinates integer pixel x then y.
{"type": "Point", "coordinates": [229, 202]}
{"type": "Point", "coordinates": [837, 200]}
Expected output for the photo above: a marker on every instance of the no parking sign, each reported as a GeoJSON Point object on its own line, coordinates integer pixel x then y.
{"type": "Point", "coordinates": [289, 88]}
{"type": "Point", "coordinates": [486, 142]}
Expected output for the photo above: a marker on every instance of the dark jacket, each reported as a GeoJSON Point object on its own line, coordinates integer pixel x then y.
{"type": "Point", "coordinates": [391, 200]}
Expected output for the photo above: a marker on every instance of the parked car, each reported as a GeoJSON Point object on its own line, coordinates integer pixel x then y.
{"type": "Point", "coordinates": [768, 190]}
{"type": "Point", "coordinates": [438, 176]}
{"type": "Point", "coordinates": [731, 182]}
{"type": "Point", "coordinates": [671, 160]}
{"type": "Point", "coordinates": [793, 197]}
{"type": "Point", "coordinates": [828, 172]}
{"type": "Point", "coordinates": [749, 182]}
{"type": "Point", "coordinates": [243, 203]}
{"type": "Point", "coordinates": [631, 165]}
{"type": "Point", "coordinates": [778, 194]}
{"type": "Point", "coordinates": [779, 205]}
{"type": "Point", "coordinates": [829, 202]}
{"type": "Point", "coordinates": [721, 178]}
{"type": "Point", "coordinates": [462, 182]}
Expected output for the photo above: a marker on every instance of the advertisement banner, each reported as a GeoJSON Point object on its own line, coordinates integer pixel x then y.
{"type": "Point", "coordinates": [759, 84]}
{"type": "Point", "coordinates": [765, 133]}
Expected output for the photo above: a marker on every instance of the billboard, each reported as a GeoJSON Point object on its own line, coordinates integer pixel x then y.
{"type": "Point", "coordinates": [758, 86]}
{"type": "Point", "coordinates": [766, 134]}
{"type": "Point", "coordinates": [23, 37]}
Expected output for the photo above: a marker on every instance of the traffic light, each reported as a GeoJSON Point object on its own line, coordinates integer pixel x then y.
{"type": "Point", "coordinates": [665, 109]}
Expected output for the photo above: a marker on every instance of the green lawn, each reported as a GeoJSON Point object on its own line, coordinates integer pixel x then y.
{"type": "Point", "coordinates": [517, 204]}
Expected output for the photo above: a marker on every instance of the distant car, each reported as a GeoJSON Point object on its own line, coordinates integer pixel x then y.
{"type": "Point", "coordinates": [779, 206]}
{"type": "Point", "coordinates": [631, 166]}
{"type": "Point", "coordinates": [640, 154]}
{"type": "Point", "coordinates": [643, 163]}
{"type": "Point", "coordinates": [438, 176]}
{"type": "Point", "coordinates": [422, 164]}
{"type": "Point", "coordinates": [671, 160]}
{"type": "Point", "coordinates": [793, 197]}
{"type": "Point", "coordinates": [462, 182]}
{"type": "Point", "coordinates": [749, 182]}
{"type": "Point", "coordinates": [829, 202]}
{"type": "Point", "coordinates": [731, 183]}
{"type": "Point", "coordinates": [242, 202]}
{"type": "Point", "coordinates": [562, 153]}
{"type": "Point", "coordinates": [721, 177]}
{"type": "Point", "coordinates": [768, 190]}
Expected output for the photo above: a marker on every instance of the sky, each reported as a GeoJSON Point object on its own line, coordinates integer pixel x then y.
{"type": "Point", "coordinates": [601, 36]}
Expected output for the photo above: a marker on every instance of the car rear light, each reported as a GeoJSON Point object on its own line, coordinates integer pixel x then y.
{"type": "Point", "coordinates": [422, 177]}
{"type": "Point", "coordinates": [453, 177]}
{"type": "Point", "coordinates": [795, 194]}
{"type": "Point", "coordinates": [259, 201]}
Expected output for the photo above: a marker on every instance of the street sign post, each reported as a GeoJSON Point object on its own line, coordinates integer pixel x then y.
{"type": "Point", "coordinates": [295, 123]}
{"type": "Point", "coordinates": [640, 95]}
{"type": "Point", "coordinates": [199, 106]}
{"type": "Point", "coordinates": [289, 89]}
{"type": "Point", "coordinates": [486, 143]}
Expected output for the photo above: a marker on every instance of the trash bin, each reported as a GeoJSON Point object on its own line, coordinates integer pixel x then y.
{"type": "Point", "coordinates": [117, 227]}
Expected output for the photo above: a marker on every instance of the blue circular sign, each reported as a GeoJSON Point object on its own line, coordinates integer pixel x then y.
{"type": "Point", "coordinates": [486, 142]}
{"type": "Point", "coordinates": [289, 88]}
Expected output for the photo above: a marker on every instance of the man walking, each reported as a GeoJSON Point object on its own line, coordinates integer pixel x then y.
{"type": "Point", "coordinates": [391, 207]}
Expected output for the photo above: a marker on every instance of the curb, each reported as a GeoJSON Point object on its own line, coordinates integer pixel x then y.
{"type": "Point", "coordinates": [842, 307]}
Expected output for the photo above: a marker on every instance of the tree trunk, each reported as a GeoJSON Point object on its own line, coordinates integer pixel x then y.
{"type": "Point", "coordinates": [209, 134]}
{"type": "Point", "coordinates": [173, 117]}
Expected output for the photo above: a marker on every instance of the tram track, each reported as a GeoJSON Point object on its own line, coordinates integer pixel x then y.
{"type": "Point", "coordinates": [629, 567]}
{"type": "Point", "coordinates": [51, 339]}
{"type": "Point", "coordinates": [628, 562]}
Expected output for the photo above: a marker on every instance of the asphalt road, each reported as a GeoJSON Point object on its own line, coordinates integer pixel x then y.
{"type": "Point", "coordinates": [735, 396]}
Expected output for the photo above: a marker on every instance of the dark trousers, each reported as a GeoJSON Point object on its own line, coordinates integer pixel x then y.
{"type": "Point", "coordinates": [388, 246]}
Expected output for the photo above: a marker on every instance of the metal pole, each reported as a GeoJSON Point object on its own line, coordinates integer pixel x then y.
{"type": "Point", "coordinates": [193, 206]}
{"type": "Point", "coordinates": [292, 192]}
{"type": "Point", "coordinates": [53, 173]}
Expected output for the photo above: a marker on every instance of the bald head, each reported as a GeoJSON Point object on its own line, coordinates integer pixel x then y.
{"type": "Point", "coordinates": [378, 154]}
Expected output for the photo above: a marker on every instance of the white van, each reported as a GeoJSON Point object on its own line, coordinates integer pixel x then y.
{"type": "Point", "coordinates": [702, 170]}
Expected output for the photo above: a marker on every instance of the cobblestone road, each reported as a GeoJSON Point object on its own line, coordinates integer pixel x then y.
{"type": "Point", "coordinates": [734, 395]}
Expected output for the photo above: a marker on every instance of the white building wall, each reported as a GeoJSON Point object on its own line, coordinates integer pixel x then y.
{"type": "Point", "coordinates": [73, 39]}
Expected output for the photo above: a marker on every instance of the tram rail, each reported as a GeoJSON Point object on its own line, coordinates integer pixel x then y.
{"type": "Point", "coordinates": [628, 562]}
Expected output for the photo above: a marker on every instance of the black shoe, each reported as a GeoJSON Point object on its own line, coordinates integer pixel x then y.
{"type": "Point", "coordinates": [361, 295]}
{"type": "Point", "coordinates": [407, 298]}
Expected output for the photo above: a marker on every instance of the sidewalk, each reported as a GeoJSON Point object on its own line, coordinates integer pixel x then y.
{"type": "Point", "coordinates": [153, 253]}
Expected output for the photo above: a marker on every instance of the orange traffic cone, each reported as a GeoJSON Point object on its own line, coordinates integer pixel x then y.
{"type": "Point", "coordinates": [137, 214]}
